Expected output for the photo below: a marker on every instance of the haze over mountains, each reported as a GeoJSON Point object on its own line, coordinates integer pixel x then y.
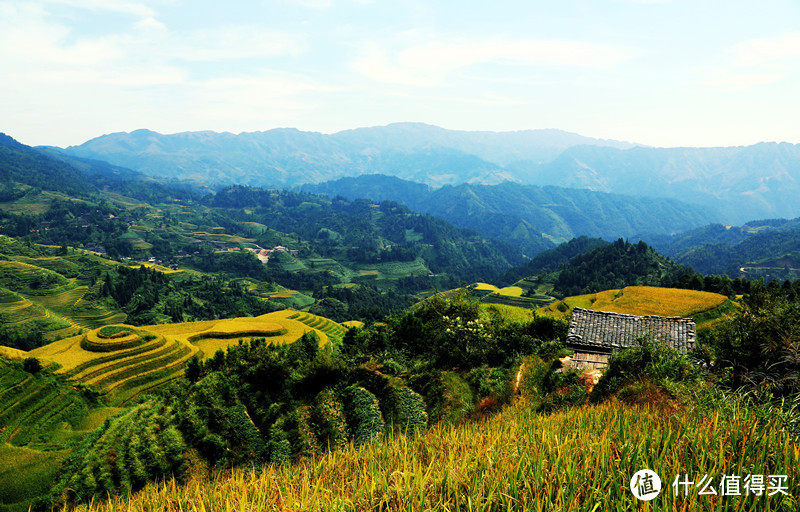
{"type": "Point", "coordinates": [736, 183]}
{"type": "Point", "coordinates": [286, 156]}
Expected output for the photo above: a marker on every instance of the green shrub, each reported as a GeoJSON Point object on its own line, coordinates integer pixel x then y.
{"type": "Point", "coordinates": [307, 443]}
{"type": "Point", "coordinates": [363, 415]}
{"type": "Point", "coordinates": [652, 359]}
{"type": "Point", "coordinates": [31, 365]}
{"type": "Point", "coordinates": [331, 424]}
{"type": "Point", "coordinates": [531, 380]}
{"type": "Point", "coordinates": [411, 415]}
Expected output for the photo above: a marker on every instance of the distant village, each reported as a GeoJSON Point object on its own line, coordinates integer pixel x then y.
{"type": "Point", "coordinates": [86, 221]}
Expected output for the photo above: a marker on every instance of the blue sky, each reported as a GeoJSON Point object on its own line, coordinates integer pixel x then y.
{"type": "Point", "coordinates": [657, 72]}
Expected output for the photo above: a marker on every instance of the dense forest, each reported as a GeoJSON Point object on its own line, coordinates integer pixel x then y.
{"type": "Point", "coordinates": [616, 265]}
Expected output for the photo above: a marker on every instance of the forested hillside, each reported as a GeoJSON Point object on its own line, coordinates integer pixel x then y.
{"type": "Point", "coordinates": [768, 249]}
{"type": "Point", "coordinates": [531, 217]}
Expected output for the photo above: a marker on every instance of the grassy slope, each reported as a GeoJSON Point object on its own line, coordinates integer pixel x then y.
{"type": "Point", "coordinates": [578, 459]}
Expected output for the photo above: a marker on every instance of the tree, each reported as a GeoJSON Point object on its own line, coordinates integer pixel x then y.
{"type": "Point", "coordinates": [31, 365]}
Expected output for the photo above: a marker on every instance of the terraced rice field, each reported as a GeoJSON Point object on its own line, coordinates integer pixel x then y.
{"type": "Point", "coordinates": [641, 300]}
{"type": "Point", "coordinates": [210, 336]}
{"type": "Point", "coordinates": [509, 296]}
{"type": "Point", "coordinates": [333, 330]}
{"type": "Point", "coordinates": [31, 406]}
{"type": "Point", "coordinates": [32, 292]}
{"type": "Point", "coordinates": [121, 366]}
{"type": "Point", "coordinates": [511, 313]}
{"type": "Point", "coordinates": [123, 361]}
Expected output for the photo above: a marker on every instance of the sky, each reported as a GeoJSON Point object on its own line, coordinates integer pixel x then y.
{"type": "Point", "coordinates": [656, 72]}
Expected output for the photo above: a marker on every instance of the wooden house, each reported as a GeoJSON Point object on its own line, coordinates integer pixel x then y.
{"type": "Point", "coordinates": [593, 335]}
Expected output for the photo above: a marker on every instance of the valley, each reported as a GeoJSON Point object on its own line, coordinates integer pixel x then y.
{"type": "Point", "coordinates": [168, 345]}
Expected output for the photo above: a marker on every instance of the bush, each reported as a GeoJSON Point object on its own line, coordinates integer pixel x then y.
{"type": "Point", "coordinates": [363, 415]}
{"type": "Point", "coordinates": [531, 380]}
{"type": "Point", "coordinates": [31, 365]}
{"type": "Point", "coordinates": [331, 424]}
{"type": "Point", "coordinates": [411, 410]}
{"type": "Point", "coordinates": [652, 359]}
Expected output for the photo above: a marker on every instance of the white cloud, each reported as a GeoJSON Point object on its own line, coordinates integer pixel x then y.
{"type": "Point", "coordinates": [754, 63]}
{"type": "Point", "coordinates": [430, 64]}
{"type": "Point", "coordinates": [737, 79]}
{"type": "Point", "coordinates": [234, 42]}
{"type": "Point", "coordinates": [121, 6]}
{"type": "Point", "coordinates": [771, 49]}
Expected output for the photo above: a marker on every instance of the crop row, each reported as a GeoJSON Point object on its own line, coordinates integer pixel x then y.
{"type": "Point", "coordinates": [121, 456]}
{"type": "Point", "coordinates": [150, 345]}
{"type": "Point", "coordinates": [107, 381]}
{"type": "Point", "coordinates": [33, 405]}
{"type": "Point", "coordinates": [155, 348]}
{"type": "Point", "coordinates": [92, 343]}
{"type": "Point", "coordinates": [325, 325]}
{"type": "Point", "coordinates": [125, 390]}
{"type": "Point", "coordinates": [248, 333]}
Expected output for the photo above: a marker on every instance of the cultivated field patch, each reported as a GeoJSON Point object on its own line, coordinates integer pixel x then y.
{"type": "Point", "coordinates": [640, 300]}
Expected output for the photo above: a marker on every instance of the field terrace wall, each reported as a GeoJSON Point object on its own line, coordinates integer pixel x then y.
{"type": "Point", "coordinates": [595, 334]}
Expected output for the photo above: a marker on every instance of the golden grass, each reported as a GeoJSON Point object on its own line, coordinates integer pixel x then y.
{"type": "Point", "coordinates": [67, 353]}
{"type": "Point", "coordinates": [642, 300]}
{"type": "Point", "coordinates": [511, 291]}
{"type": "Point", "coordinates": [355, 324]}
{"type": "Point", "coordinates": [12, 353]}
{"type": "Point", "coordinates": [486, 287]}
{"type": "Point", "coordinates": [575, 460]}
{"type": "Point", "coordinates": [238, 328]}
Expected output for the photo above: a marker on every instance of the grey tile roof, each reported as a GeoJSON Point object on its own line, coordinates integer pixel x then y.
{"type": "Point", "coordinates": [608, 331]}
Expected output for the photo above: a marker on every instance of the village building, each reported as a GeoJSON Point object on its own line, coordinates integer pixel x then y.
{"type": "Point", "coordinates": [594, 335]}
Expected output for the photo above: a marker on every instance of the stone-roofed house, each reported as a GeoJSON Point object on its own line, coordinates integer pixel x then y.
{"type": "Point", "coordinates": [593, 335]}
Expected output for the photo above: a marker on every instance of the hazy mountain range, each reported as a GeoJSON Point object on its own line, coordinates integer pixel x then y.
{"type": "Point", "coordinates": [285, 157]}
{"type": "Point", "coordinates": [738, 183]}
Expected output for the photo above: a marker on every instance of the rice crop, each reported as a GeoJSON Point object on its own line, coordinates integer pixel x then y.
{"type": "Point", "coordinates": [641, 300]}
{"type": "Point", "coordinates": [580, 459]}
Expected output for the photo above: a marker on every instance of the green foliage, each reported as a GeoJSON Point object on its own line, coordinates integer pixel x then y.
{"type": "Point", "coordinates": [412, 416]}
{"type": "Point", "coordinates": [533, 371]}
{"type": "Point", "coordinates": [364, 417]}
{"type": "Point", "coordinates": [307, 442]}
{"type": "Point", "coordinates": [121, 456]}
{"type": "Point", "coordinates": [280, 449]}
{"type": "Point", "coordinates": [448, 396]}
{"type": "Point", "coordinates": [212, 419]}
{"type": "Point", "coordinates": [331, 423]}
{"type": "Point", "coordinates": [31, 365]}
{"type": "Point", "coordinates": [760, 348]}
{"type": "Point", "coordinates": [651, 359]}
{"type": "Point", "coordinates": [614, 266]}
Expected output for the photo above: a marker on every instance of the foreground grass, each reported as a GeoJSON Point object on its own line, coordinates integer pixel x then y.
{"type": "Point", "coordinates": [580, 459]}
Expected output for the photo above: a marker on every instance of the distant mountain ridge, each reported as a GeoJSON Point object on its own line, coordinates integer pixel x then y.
{"type": "Point", "coordinates": [746, 182]}
{"type": "Point", "coordinates": [287, 156]}
{"type": "Point", "coordinates": [741, 183]}
{"type": "Point", "coordinates": [531, 217]}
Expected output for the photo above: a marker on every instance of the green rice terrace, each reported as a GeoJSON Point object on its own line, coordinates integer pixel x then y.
{"type": "Point", "coordinates": [51, 295]}
{"type": "Point", "coordinates": [522, 294]}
